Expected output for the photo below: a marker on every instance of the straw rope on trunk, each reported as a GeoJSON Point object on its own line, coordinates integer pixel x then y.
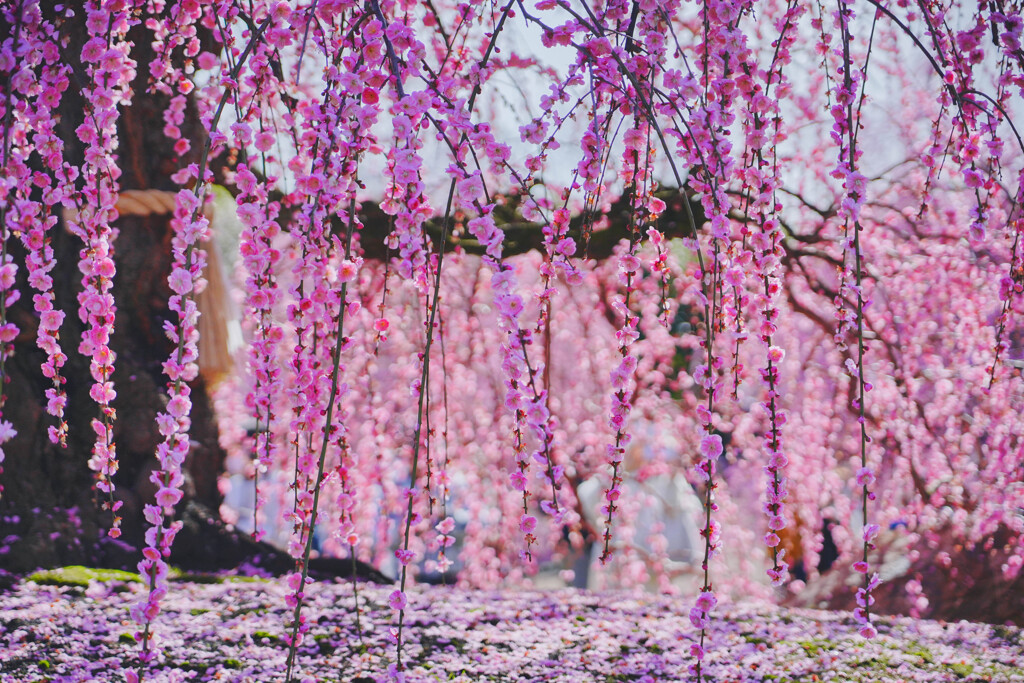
{"type": "Point", "coordinates": [215, 361]}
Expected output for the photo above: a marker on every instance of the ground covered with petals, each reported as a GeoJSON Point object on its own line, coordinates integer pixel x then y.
{"type": "Point", "coordinates": [234, 630]}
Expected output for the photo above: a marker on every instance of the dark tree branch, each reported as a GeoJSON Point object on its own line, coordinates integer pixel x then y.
{"type": "Point", "coordinates": [522, 236]}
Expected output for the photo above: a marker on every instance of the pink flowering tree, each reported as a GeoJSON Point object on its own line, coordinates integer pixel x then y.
{"type": "Point", "coordinates": [474, 246]}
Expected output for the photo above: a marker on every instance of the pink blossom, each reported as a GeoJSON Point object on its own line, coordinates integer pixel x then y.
{"type": "Point", "coordinates": [8, 273]}
{"type": "Point", "coordinates": [347, 271]}
{"type": "Point", "coordinates": [397, 600]}
{"type": "Point", "coordinates": [7, 431]}
{"type": "Point", "coordinates": [167, 497]}
{"type": "Point", "coordinates": [179, 406]}
{"type": "Point", "coordinates": [517, 480]}
{"type": "Point", "coordinates": [94, 49]}
{"type": "Point", "coordinates": [711, 446]}
{"type": "Point", "coordinates": [180, 281]}
{"type": "Point", "coordinates": [51, 320]}
{"type": "Point", "coordinates": [865, 476]}
{"type": "Point", "coordinates": [706, 601]}
{"type": "Point", "coordinates": [972, 178]}
{"type": "Point", "coordinates": [102, 392]}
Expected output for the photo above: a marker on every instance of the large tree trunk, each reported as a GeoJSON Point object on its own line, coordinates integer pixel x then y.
{"type": "Point", "coordinates": [50, 513]}
{"type": "Point", "coordinates": [48, 501]}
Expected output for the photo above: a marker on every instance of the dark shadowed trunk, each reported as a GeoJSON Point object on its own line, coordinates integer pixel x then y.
{"type": "Point", "coordinates": [50, 513]}
{"type": "Point", "coordinates": [48, 502]}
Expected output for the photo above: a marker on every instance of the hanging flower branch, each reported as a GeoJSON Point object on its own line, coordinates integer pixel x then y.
{"type": "Point", "coordinates": [847, 125]}
{"type": "Point", "coordinates": [761, 183]}
{"type": "Point", "coordinates": [190, 226]}
{"type": "Point", "coordinates": [110, 71]}
{"type": "Point", "coordinates": [34, 51]}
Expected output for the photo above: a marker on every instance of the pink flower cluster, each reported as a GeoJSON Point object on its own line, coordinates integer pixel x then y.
{"type": "Point", "coordinates": [110, 70]}
{"type": "Point", "coordinates": [761, 181]}
{"type": "Point", "coordinates": [31, 128]}
{"type": "Point", "coordinates": [260, 255]}
{"type": "Point", "coordinates": [637, 159]}
{"type": "Point", "coordinates": [190, 227]}
{"type": "Point", "coordinates": [519, 374]}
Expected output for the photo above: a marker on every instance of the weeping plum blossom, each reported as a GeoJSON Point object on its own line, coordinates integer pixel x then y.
{"type": "Point", "coordinates": [34, 131]}
{"type": "Point", "coordinates": [110, 70]}
{"type": "Point", "coordinates": [455, 368]}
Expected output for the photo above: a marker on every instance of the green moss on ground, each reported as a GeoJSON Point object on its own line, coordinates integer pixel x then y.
{"type": "Point", "coordinates": [77, 575]}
